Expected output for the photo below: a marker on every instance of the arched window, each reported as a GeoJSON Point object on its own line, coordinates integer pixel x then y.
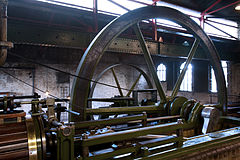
{"type": "Point", "coordinates": [187, 80]}
{"type": "Point", "coordinates": [213, 82]}
{"type": "Point", "coordinates": [161, 72]}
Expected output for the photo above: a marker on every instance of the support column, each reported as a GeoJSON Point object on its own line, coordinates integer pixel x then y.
{"type": "Point", "coordinates": [4, 45]}
{"type": "Point", "coordinates": [95, 14]}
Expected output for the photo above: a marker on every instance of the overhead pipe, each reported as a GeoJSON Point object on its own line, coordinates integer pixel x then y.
{"type": "Point", "coordinates": [4, 45]}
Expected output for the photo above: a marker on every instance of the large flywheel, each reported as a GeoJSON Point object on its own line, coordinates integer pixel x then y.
{"type": "Point", "coordinates": [95, 51]}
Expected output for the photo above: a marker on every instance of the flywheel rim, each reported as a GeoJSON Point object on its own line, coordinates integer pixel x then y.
{"type": "Point", "coordinates": [95, 50]}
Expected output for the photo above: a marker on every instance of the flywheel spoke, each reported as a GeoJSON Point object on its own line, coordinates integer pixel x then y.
{"type": "Point", "coordinates": [117, 82]}
{"type": "Point", "coordinates": [133, 86]}
{"type": "Point", "coordinates": [150, 63]}
{"type": "Point", "coordinates": [182, 74]}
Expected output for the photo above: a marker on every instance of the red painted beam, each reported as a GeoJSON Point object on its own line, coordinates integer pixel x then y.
{"type": "Point", "coordinates": [140, 2]}
{"type": "Point", "coordinates": [204, 12]}
{"type": "Point", "coordinates": [154, 25]}
{"type": "Point", "coordinates": [119, 5]}
{"type": "Point", "coordinates": [214, 4]}
{"type": "Point", "coordinates": [223, 7]}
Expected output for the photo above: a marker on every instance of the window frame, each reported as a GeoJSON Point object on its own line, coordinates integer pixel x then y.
{"type": "Point", "coordinates": [159, 70]}
{"type": "Point", "coordinates": [191, 82]}
{"type": "Point", "coordinates": [211, 73]}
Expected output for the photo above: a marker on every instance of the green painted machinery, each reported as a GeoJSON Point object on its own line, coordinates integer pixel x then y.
{"type": "Point", "coordinates": [164, 127]}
